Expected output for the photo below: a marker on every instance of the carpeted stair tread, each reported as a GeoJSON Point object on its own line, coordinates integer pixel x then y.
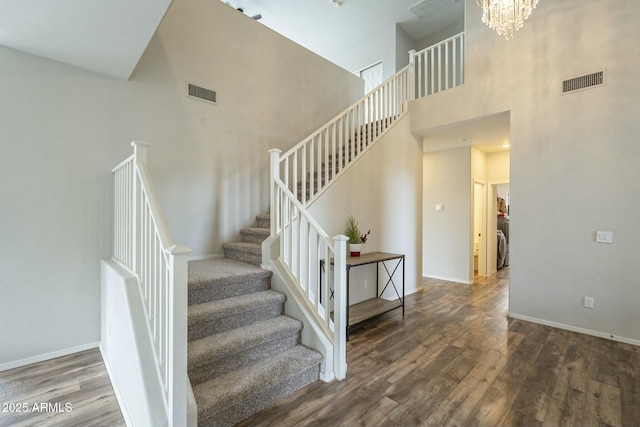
{"type": "Point", "coordinates": [264, 220]}
{"type": "Point", "coordinates": [221, 315]}
{"type": "Point", "coordinates": [229, 342]}
{"type": "Point", "coordinates": [217, 354]}
{"type": "Point", "coordinates": [222, 271]}
{"type": "Point", "coordinates": [218, 278]}
{"type": "Point", "coordinates": [232, 397]}
{"type": "Point", "coordinates": [254, 234]}
{"type": "Point", "coordinates": [244, 251]}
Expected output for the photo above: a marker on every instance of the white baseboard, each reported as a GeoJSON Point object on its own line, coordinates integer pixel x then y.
{"type": "Point", "coordinates": [116, 390]}
{"type": "Point", "coordinates": [450, 279]}
{"type": "Point", "coordinates": [327, 377]}
{"type": "Point", "coordinates": [575, 329]}
{"type": "Point", "coordinates": [48, 356]}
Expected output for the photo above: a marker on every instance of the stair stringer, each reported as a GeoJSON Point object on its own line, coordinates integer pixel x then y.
{"type": "Point", "coordinates": [312, 335]}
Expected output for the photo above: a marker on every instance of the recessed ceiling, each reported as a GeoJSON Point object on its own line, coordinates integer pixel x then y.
{"type": "Point", "coordinates": [488, 134]}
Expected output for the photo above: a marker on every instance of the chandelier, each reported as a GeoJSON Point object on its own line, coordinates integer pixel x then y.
{"type": "Point", "coordinates": [506, 16]}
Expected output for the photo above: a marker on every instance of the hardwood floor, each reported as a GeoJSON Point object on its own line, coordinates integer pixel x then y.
{"type": "Point", "coordinates": [456, 359]}
{"type": "Point", "coordinates": [73, 390]}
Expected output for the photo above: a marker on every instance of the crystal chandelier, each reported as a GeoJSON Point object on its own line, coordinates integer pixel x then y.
{"type": "Point", "coordinates": [506, 16]}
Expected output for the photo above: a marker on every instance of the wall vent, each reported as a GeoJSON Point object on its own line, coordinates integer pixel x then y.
{"type": "Point", "coordinates": [202, 93]}
{"type": "Point", "coordinates": [588, 81]}
{"type": "Point", "coordinates": [428, 8]}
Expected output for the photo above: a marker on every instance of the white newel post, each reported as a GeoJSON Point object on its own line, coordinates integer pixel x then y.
{"type": "Point", "coordinates": [274, 173]}
{"type": "Point", "coordinates": [411, 84]}
{"type": "Point", "coordinates": [177, 335]}
{"type": "Point", "coordinates": [340, 306]}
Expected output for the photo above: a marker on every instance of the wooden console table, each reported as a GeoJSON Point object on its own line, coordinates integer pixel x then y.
{"type": "Point", "coordinates": [373, 307]}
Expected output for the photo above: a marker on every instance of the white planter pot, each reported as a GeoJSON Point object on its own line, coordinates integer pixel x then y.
{"type": "Point", "coordinates": [355, 248]}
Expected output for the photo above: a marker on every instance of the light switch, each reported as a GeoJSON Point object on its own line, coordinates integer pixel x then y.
{"type": "Point", "coordinates": [604, 236]}
{"type": "Point", "coordinates": [439, 206]}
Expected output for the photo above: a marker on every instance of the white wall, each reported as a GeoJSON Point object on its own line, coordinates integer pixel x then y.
{"type": "Point", "coordinates": [382, 191]}
{"type": "Point", "coordinates": [498, 169]}
{"type": "Point", "coordinates": [446, 243]}
{"type": "Point", "coordinates": [573, 157]}
{"type": "Point", "coordinates": [62, 129]}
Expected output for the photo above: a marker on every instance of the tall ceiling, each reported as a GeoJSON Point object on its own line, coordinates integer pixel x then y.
{"type": "Point", "coordinates": [322, 25]}
{"type": "Point", "coordinates": [107, 37]}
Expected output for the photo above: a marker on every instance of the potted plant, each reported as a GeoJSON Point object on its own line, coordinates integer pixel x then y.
{"type": "Point", "coordinates": [356, 238]}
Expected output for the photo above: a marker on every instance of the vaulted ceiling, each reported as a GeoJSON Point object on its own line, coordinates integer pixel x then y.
{"type": "Point", "coordinates": [107, 37]}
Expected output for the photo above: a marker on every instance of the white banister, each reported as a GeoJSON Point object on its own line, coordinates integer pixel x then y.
{"type": "Point", "coordinates": [301, 174]}
{"type": "Point", "coordinates": [143, 245]}
{"type": "Point", "coordinates": [438, 67]}
{"type": "Point", "coordinates": [310, 166]}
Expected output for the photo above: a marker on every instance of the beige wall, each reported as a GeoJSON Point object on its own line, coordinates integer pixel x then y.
{"type": "Point", "coordinates": [573, 157]}
{"type": "Point", "coordinates": [382, 191]}
{"type": "Point", "coordinates": [447, 232]}
{"type": "Point", "coordinates": [62, 129]}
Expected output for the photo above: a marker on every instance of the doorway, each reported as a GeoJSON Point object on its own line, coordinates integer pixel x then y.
{"type": "Point", "coordinates": [372, 76]}
{"type": "Point", "coordinates": [479, 229]}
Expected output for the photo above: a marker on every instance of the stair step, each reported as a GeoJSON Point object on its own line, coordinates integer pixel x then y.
{"type": "Point", "coordinates": [215, 355]}
{"type": "Point", "coordinates": [222, 315]}
{"type": "Point", "coordinates": [264, 220]}
{"type": "Point", "coordinates": [230, 398]}
{"type": "Point", "coordinates": [254, 235]}
{"type": "Point", "coordinates": [219, 278]}
{"type": "Point", "coordinates": [243, 251]}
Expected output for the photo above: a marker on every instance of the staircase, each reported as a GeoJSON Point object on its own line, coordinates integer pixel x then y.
{"type": "Point", "coordinates": [243, 353]}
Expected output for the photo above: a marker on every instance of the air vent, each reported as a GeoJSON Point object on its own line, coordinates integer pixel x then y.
{"type": "Point", "coordinates": [588, 81]}
{"type": "Point", "coordinates": [202, 93]}
{"type": "Point", "coordinates": [427, 8]}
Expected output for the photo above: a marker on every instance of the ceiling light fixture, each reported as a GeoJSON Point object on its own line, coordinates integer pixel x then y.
{"type": "Point", "coordinates": [337, 2]}
{"type": "Point", "coordinates": [506, 16]}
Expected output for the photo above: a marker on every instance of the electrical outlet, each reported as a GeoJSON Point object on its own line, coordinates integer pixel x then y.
{"type": "Point", "coordinates": [366, 284]}
{"type": "Point", "coordinates": [588, 302]}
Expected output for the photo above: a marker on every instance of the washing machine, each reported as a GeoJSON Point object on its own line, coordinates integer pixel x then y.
{"type": "Point", "coordinates": [502, 249]}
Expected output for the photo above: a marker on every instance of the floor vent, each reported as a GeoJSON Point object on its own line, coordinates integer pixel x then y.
{"type": "Point", "coordinates": [588, 81]}
{"type": "Point", "coordinates": [202, 93]}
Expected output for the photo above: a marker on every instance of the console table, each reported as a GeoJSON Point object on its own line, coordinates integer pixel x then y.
{"type": "Point", "coordinates": [373, 307]}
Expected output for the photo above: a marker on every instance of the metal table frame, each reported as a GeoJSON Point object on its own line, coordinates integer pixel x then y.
{"type": "Point", "coordinates": [374, 258]}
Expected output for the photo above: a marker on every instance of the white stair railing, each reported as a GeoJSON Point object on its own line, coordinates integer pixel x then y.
{"type": "Point", "coordinates": [300, 175]}
{"type": "Point", "coordinates": [439, 67]}
{"type": "Point", "coordinates": [315, 262]}
{"type": "Point", "coordinates": [309, 167]}
{"type": "Point", "coordinates": [143, 245]}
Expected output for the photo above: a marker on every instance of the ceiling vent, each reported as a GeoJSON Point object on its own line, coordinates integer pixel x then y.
{"type": "Point", "coordinates": [427, 8]}
{"type": "Point", "coordinates": [588, 81]}
{"type": "Point", "coordinates": [202, 93]}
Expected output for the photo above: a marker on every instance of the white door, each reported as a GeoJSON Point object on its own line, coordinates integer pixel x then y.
{"type": "Point", "coordinates": [372, 77]}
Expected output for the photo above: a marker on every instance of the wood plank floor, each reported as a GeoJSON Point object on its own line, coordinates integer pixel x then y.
{"type": "Point", "coordinates": [457, 360]}
{"type": "Point", "coordinates": [73, 390]}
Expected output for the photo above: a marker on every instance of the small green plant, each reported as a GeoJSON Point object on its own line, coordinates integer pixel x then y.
{"type": "Point", "coordinates": [353, 232]}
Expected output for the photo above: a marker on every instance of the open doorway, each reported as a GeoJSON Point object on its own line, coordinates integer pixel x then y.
{"type": "Point", "coordinates": [463, 164]}
{"type": "Point", "coordinates": [498, 221]}
{"type": "Point", "coordinates": [479, 229]}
